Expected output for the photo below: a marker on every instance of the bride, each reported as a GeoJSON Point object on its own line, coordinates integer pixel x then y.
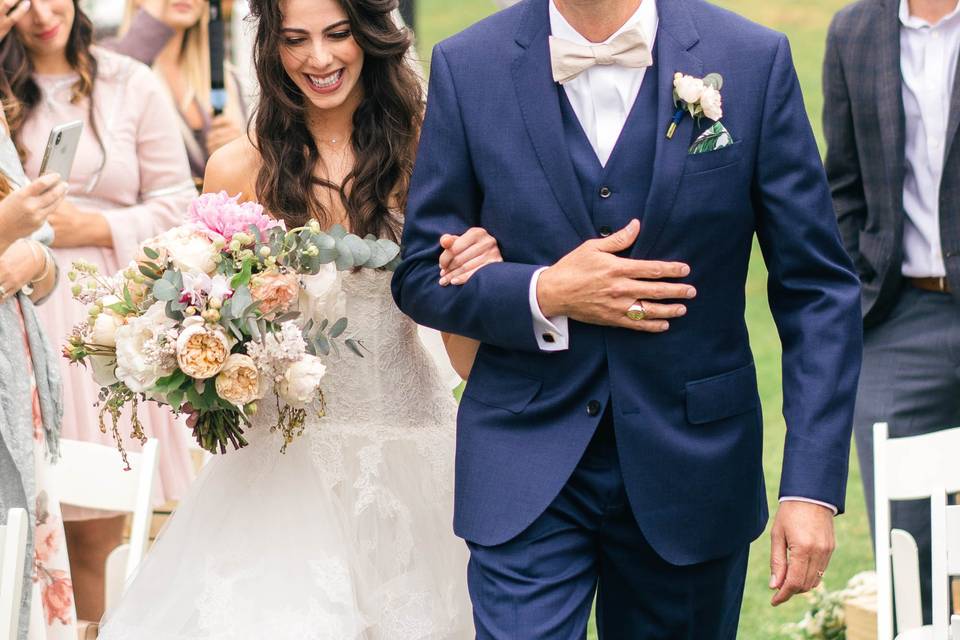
{"type": "Point", "coordinates": [347, 535]}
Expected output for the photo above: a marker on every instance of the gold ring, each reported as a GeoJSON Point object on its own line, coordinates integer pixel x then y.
{"type": "Point", "coordinates": [637, 312]}
{"type": "Point", "coordinates": [820, 574]}
{"type": "Point", "coordinates": [3, 292]}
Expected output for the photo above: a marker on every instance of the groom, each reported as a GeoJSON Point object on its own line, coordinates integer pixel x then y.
{"type": "Point", "coordinates": [610, 434]}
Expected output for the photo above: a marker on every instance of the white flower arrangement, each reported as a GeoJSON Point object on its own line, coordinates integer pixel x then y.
{"type": "Point", "coordinates": [697, 96]}
{"type": "Point", "coordinates": [824, 620]}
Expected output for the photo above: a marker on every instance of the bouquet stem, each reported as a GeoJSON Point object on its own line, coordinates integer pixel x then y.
{"type": "Point", "coordinates": [215, 429]}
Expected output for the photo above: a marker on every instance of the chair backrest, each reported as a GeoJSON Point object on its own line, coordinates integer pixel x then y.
{"type": "Point", "coordinates": [13, 550]}
{"type": "Point", "coordinates": [945, 547]}
{"type": "Point", "coordinates": [91, 476]}
{"type": "Point", "coordinates": [906, 469]}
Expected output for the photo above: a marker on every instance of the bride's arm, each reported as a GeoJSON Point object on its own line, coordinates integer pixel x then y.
{"type": "Point", "coordinates": [462, 257]}
{"type": "Point", "coordinates": [462, 352]}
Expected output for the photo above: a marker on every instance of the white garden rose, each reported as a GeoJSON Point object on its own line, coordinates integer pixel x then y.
{"type": "Point", "coordinates": [239, 381]}
{"type": "Point", "coordinates": [202, 350]}
{"type": "Point", "coordinates": [711, 103]}
{"type": "Point", "coordinates": [105, 327]}
{"type": "Point", "coordinates": [321, 297]}
{"type": "Point", "coordinates": [135, 367]}
{"type": "Point", "coordinates": [688, 88]}
{"type": "Point", "coordinates": [190, 250]}
{"type": "Point", "coordinates": [104, 370]}
{"type": "Point", "coordinates": [301, 382]}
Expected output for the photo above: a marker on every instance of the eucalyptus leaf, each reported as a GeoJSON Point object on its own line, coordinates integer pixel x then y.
{"type": "Point", "coordinates": [714, 80]}
{"type": "Point", "coordinates": [354, 345]}
{"type": "Point", "coordinates": [322, 344]}
{"type": "Point", "coordinates": [337, 231]}
{"type": "Point", "coordinates": [150, 253]}
{"type": "Point", "coordinates": [338, 328]}
{"type": "Point", "coordinates": [164, 290]}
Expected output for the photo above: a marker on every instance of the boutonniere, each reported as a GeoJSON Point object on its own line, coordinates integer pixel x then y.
{"type": "Point", "coordinates": [697, 96]}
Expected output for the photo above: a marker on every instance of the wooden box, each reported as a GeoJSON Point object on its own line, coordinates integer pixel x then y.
{"type": "Point", "coordinates": [861, 617]}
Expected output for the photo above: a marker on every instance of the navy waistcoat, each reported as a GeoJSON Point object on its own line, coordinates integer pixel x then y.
{"type": "Point", "coordinates": [618, 192]}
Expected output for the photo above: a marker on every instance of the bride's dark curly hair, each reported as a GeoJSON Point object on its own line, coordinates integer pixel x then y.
{"type": "Point", "coordinates": [386, 125]}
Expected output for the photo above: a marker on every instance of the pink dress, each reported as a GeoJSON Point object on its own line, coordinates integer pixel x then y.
{"type": "Point", "coordinates": [138, 177]}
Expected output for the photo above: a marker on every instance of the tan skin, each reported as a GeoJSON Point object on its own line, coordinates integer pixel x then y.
{"type": "Point", "coordinates": [932, 11]}
{"type": "Point", "coordinates": [592, 285]}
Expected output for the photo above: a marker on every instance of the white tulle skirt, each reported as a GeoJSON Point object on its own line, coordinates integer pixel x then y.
{"type": "Point", "coordinates": [346, 536]}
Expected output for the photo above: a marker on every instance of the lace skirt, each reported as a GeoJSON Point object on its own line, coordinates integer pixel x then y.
{"type": "Point", "coordinates": [346, 536]}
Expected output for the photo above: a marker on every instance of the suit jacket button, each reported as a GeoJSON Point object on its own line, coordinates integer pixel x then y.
{"type": "Point", "coordinates": [593, 408]}
{"type": "Point", "coordinates": [605, 231]}
{"type": "Point", "coordinates": [605, 192]}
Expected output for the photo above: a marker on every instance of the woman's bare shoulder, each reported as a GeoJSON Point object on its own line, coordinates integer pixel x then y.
{"type": "Point", "coordinates": [233, 168]}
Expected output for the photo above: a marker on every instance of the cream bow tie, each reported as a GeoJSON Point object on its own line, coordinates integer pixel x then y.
{"type": "Point", "coordinates": [569, 59]}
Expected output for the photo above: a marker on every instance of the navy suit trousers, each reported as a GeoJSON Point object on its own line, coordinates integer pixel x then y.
{"type": "Point", "coordinates": [541, 584]}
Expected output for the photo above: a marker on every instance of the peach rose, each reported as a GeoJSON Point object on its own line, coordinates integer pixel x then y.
{"type": "Point", "coordinates": [239, 381]}
{"type": "Point", "coordinates": [201, 350]}
{"type": "Point", "coordinates": [45, 545]}
{"type": "Point", "coordinates": [274, 291]}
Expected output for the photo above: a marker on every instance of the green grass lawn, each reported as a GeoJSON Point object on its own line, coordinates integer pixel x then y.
{"type": "Point", "coordinates": [805, 22]}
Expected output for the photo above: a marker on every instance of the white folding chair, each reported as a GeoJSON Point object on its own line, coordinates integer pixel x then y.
{"type": "Point", "coordinates": [945, 545]}
{"type": "Point", "coordinates": [908, 468]}
{"type": "Point", "coordinates": [13, 551]}
{"type": "Point", "coordinates": [91, 476]}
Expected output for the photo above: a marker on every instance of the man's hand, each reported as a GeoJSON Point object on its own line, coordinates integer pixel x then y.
{"type": "Point", "coordinates": [802, 543]}
{"type": "Point", "coordinates": [592, 285]}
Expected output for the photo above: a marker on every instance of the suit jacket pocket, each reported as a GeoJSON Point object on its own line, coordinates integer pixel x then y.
{"type": "Point", "coordinates": [722, 396]}
{"type": "Point", "coordinates": [501, 389]}
{"type": "Point", "coordinates": [703, 162]}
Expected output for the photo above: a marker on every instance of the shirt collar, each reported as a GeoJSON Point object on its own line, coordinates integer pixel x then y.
{"type": "Point", "coordinates": [911, 21]}
{"type": "Point", "coordinates": [645, 16]}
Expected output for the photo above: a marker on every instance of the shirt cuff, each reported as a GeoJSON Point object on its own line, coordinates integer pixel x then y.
{"type": "Point", "coordinates": [811, 501]}
{"type": "Point", "coordinates": [552, 333]}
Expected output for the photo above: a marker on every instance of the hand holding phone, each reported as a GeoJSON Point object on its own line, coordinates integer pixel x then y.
{"type": "Point", "coordinates": [61, 148]}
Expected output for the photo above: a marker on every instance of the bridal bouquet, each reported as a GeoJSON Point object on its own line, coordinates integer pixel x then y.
{"type": "Point", "coordinates": [215, 316]}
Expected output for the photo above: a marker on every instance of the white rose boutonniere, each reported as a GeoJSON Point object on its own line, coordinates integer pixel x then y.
{"type": "Point", "coordinates": [697, 96]}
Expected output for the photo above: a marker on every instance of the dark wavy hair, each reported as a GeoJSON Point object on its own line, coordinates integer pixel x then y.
{"type": "Point", "coordinates": [386, 125]}
{"type": "Point", "coordinates": [20, 92]}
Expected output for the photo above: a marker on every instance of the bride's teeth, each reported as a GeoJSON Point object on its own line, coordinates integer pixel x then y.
{"type": "Point", "coordinates": [326, 81]}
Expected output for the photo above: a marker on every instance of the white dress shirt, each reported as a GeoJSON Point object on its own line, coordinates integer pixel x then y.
{"type": "Point", "coordinates": [601, 97]}
{"type": "Point", "coordinates": [928, 62]}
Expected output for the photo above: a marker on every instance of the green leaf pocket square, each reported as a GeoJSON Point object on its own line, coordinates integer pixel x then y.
{"type": "Point", "coordinates": [713, 139]}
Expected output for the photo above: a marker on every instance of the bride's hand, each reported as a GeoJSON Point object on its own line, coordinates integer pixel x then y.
{"type": "Point", "coordinates": [463, 255]}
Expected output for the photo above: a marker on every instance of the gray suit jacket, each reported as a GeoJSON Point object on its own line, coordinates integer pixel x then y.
{"type": "Point", "coordinates": [863, 121]}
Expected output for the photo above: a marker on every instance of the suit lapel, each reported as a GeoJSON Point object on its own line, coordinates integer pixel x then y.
{"type": "Point", "coordinates": [540, 106]}
{"type": "Point", "coordinates": [890, 93]}
{"type": "Point", "coordinates": [676, 36]}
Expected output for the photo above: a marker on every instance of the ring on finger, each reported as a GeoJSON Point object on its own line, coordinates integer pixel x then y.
{"type": "Point", "coordinates": [3, 292]}
{"type": "Point", "coordinates": [636, 312]}
{"type": "Point", "coordinates": [819, 574]}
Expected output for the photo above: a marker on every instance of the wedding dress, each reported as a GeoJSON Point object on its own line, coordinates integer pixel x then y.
{"type": "Point", "coordinates": [346, 536]}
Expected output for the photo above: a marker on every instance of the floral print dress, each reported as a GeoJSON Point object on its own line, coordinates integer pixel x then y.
{"type": "Point", "coordinates": [53, 616]}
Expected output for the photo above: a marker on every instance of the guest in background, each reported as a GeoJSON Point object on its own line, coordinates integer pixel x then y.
{"type": "Point", "coordinates": [30, 405]}
{"type": "Point", "coordinates": [891, 115]}
{"type": "Point", "coordinates": [130, 181]}
{"type": "Point", "coordinates": [184, 66]}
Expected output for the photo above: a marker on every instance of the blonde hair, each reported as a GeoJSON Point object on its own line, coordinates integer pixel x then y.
{"type": "Point", "coordinates": [194, 62]}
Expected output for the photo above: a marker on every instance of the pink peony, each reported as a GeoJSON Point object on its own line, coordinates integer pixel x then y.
{"type": "Point", "coordinates": [225, 216]}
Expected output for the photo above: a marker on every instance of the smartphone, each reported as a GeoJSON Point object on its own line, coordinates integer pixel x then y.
{"type": "Point", "coordinates": [61, 148]}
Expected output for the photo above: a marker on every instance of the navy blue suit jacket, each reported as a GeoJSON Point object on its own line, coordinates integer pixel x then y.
{"type": "Point", "coordinates": [685, 403]}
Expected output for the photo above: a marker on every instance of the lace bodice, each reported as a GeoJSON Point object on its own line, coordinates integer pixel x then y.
{"type": "Point", "coordinates": [396, 381]}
